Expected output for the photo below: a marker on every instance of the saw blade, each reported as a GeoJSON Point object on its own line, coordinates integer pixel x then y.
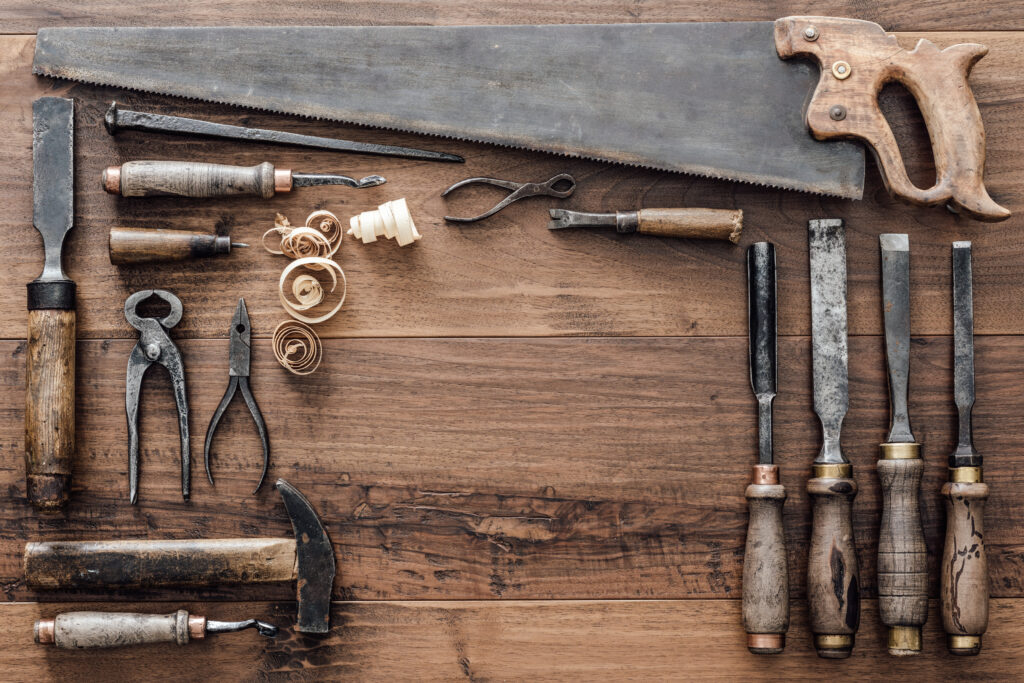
{"type": "Point", "coordinates": [711, 99]}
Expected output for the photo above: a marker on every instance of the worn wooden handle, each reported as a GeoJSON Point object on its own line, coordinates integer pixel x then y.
{"type": "Point", "coordinates": [964, 569]}
{"type": "Point", "coordinates": [193, 179]}
{"type": "Point", "coordinates": [857, 58]}
{"type": "Point", "coordinates": [765, 577]}
{"type": "Point", "coordinates": [902, 554]}
{"type": "Point", "coordinates": [50, 407]}
{"type": "Point", "coordinates": [131, 246]}
{"type": "Point", "coordinates": [708, 224]}
{"type": "Point", "coordinates": [80, 630]}
{"type": "Point", "coordinates": [833, 587]}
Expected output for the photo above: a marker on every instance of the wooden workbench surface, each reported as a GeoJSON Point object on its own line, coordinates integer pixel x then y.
{"type": "Point", "coordinates": [529, 448]}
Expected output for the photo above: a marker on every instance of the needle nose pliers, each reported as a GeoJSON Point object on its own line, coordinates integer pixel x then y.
{"type": "Point", "coordinates": [238, 364]}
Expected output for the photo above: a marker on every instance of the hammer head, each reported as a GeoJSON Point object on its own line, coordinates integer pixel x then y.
{"type": "Point", "coordinates": [315, 559]}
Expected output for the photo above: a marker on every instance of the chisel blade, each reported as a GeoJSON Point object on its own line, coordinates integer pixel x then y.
{"type": "Point", "coordinates": [761, 317]}
{"type": "Point", "coordinates": [896, 313]}
{"type": "Point", "coordinates": [965, 454]}
{"type": "Point", "coordinates": [53, 178]}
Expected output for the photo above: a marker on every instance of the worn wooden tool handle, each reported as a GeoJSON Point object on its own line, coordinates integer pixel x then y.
{"type": "Point", "coordinates": [902, 554]}
{"type": "Point", "coordinates": [833, 587]}
{"type": "Point", "coordinates": [857, 58]}
{"type": "Point", "coordinates": [80, 630]}
{"type": "Point", "coordinates": [131, 246]}
{"type": "Point", "coordinates": [765, 577]}
{"type": "Point", "coordinates": [193, 179]}
{"type": "Point", "coordinates": [708, 224]}
{"type": "Point", "coordinates": [964, 569]}
{"type": "Point", "coordinates": [50, 407]}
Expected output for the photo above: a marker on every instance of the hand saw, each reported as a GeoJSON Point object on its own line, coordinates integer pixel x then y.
{"type": "Point", "coordinates": [714, 99]}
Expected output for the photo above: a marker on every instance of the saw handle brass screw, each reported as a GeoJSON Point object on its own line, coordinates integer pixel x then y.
{"type": "Point", "coordinates": [81, 630]}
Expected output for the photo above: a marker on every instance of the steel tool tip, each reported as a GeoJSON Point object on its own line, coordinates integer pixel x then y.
{"type": "Point", "coordinates": [894, 242]}
{"type": "Point", "coordinates": [559, 219]}
{"type": "Point", "coordinates": [239, 244]}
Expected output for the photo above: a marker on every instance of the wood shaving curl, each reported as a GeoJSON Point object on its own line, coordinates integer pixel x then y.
{"type": "Point", "coordinates": [321, 236]}
{"type": "Point", "coordinates": [308, 291]}
{"type": "Point", "coordinates": [391, 219]}
{"type": "Point", "coordinates": [297, 347]}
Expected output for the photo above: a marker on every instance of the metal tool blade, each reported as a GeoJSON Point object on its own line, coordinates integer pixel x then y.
{"type": "Point", "coordinates": [896, 312]}
{"type": "Point", "coordinates": [563, 218]}
{"type": "Point", "coordinates": [711, 99]}
{"type": "Point", "coordinates": [965, 454]}
{"type": "Point", "coordinates": [241, 342]}
{"type": "Point", "coordinates": [828, 333]}
{"type": "Point", "coordinates": [315, 179]}
{"type": "Point", "coordinates": [53, 123]}
{"type": "Point", "coordinates": [315, 560]}
{"type": "Point", "coordinates": [762, 321]}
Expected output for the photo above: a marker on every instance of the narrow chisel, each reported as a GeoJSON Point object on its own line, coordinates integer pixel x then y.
{"type": "Point", "coordinates": [902, 554]}
{"type": "Point", "coordinates": [765, 578]}
{"type": "Point", "coordinates": [964, 568]}
{"type": "Point", "coordinates": [833, 587]}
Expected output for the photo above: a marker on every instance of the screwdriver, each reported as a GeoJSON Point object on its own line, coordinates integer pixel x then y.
{"type": "Point", "coordinates": [197, 179]}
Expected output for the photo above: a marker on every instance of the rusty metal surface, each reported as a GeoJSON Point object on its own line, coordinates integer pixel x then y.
{"type": "Point", "coordinates": [315, 561]}
{"type": "Point", "coordinates": [965, 454]}
{"type": "Point", "coordinates": [711, 99]}
{"type": "Point", "coordinates": [896, 313]}
{"type": "Point", "coordinates": [763, 331]}
{"type": "Point", "coordinates": [53, 174]}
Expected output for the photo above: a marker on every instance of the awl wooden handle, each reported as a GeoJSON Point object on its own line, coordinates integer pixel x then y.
{"type": "Point", "coordinates": [130, 246]}
{"type": "Point", "coordinates": [711, 224]}
{"type": "Point", "coordinates": [964, 568]}
{"type": "Point", "coordinates": [194, 179]}
{"type": "Point", "coordinates": [833, 586]}
{"type": "Point", "coordinates": [765, 576]}
{"type": "Point", "coordinates": [80, 630]}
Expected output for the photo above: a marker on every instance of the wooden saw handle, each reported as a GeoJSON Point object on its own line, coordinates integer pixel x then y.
{"type": "Point", "coordinates": [833, 586]}
{"type": "Point", "coordinates": [130, 246]}
{"type": "Point", "coordinates": [857, 58]}
{"type": "Point", "coordinates": [765, 576]}
{"type": "Point", "coordinates": [712, 224]}
{"type": "Point", "coordinates": [194, 179]}
{"type": "Point", "coordinates": [80, 630]}
{"type": "Point", "coordinates": [964, 568]}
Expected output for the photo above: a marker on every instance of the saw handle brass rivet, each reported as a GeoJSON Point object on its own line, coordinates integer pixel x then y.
{"type": "Point", "coordinates": [810, 34]}
{"type": "Point", "coordinates": [841, 70]}
{"type": "Point", "coordinates": [837, 113]}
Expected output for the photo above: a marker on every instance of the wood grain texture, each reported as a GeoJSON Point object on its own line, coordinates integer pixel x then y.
{"type": "Point", "coordinates": [706, 224]}
{"type": "Point", "coordinates": [765, 575]}
{"type": "Point", "coordinates": [964, 568]}
{"type": "Point", "coordinates": [191, 179]}
{"type": "Point", "coordinates": [76, 630]}
{"type": "Point", "coordinates": [143, 246]}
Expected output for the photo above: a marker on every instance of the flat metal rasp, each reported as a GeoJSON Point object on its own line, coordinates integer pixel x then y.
{"type": "Point", "coordinates": [50, 371]}
{"type": "Point", "coordinates": [964, 568]}
{"type": "Point", "coordinates": [833, 586]}
{"type": "Point", "coordinates": [902, 553]}
{"type": "Point", "coordinates": [765, 576]}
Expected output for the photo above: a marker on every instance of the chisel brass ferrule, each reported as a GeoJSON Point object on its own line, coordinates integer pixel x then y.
{"type": "Point", "coordinates": [900, 451]}
{"type": "Point", "coordinates": [965, 475]}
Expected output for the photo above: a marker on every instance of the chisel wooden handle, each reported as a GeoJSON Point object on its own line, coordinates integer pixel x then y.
{"type": "Point", "coordinates": [711, 224]}
{"type": "Point", "coordinates": [833, 586]}
{"type": "Point", "coordinates": [194, 179]}
{"type": "Point", "coordinates": [80, 630]}
{"type": "Point", "coordinates": [964, 569]}
{"type": "Point", "coordinates": [765, 576]}
{"type": "Point", "coordinates": [130, 246]}
{"type": "Point", "coordinates": [902, 554]}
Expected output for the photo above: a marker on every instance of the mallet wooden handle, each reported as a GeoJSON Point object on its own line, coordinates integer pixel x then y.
{"type": "Point", "coordinates": [695, 223]}
{"type": "Point", "coordinates": [833, 586]}
{"type": "Point", "coordinates": [902, 554]}
{"type": "Point", "coordinates": [194, 179]}
{"type": "Point", "coordinates": [765, 576]}
{"type": "Point", "coordinates": [79, 630]}
{"type": "Point", "coordinates": [964, 569]}
{"type": "Point", "coordinates": [130, 246]}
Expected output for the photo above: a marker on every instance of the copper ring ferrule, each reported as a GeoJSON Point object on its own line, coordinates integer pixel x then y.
{"type": "Point", "coordinates": [196, 627]}
{"type": "Point", "coordinates": [965, 475]}
{"type": "Point", "coordinates": [833, 470]}
{"type": "Point", "coordinates": [112, 179]}
{"type": "Point", "coordinates": [765, 475]}
{"type": "Point", "coordinates": [44, 631]}
{"type": "Point", "coordinates": [900, 451]}
{"type": "Point", "coordinates": [766, 643]}
{"type": "Point", "coordinates": [282, 180]}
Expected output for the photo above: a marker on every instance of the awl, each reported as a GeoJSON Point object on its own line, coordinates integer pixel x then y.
{"type": "Point", "coordinates": [964, 568]}
{"type": "Point", "coordinates": [711, 224]}
{"type": "Point", "coordinates": [902, 554]}
{"type": "Point", "coordinates": [196, 179]}
{"type": "Point", "coordinates": [81, 630]}
{"type": "Point", "coordinates": [133, 246]}
{"type": "Point", "coordinates": [765, 577]}
{"type": "Point", "coordinates": [833, 587]}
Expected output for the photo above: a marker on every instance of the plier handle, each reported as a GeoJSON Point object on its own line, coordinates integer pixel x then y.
{"type": "Point", "coordinates": [519, 191]}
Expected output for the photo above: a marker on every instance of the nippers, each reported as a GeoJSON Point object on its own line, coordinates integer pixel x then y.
{"type": "Point", "coordinates": [519, 191]}
{"type": "Point", "coordinates": [238, 371]}
{"type": "Point", "coordinates": [154, 346]}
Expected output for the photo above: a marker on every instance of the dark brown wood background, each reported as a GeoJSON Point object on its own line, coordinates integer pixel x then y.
{"type": "Point", "coordinates": [529, 448]}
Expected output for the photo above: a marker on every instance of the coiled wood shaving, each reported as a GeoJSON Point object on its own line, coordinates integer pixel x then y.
{"type": "Point", "coordinates": [390, 219]}
{"type": "Point", "coordinates": [308, 291]}
{"type": "Point", "coordinates": [321, 236]}
{"type": "Point", "coordinates": [297, 347]}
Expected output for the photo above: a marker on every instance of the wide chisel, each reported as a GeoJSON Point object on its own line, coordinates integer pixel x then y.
{"type": "Point", "coordinates": [964, 568]}
{"type": "Point", "coordinates": [50, 372]}
{"type": "Point", "coordinates": [833, 587]}
{"type": "Point", "coordinates": [765, 577]}
{"type": "Point", "coordinates": [902, 554]}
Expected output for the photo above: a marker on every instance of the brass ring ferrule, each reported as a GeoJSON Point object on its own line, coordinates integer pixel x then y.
{"type": "Point", "coordinates": [900, 451]}
{"type": "Point", "coordinates": [904, 640]}
{"type": "Point", "coordinates": [965, 475]}
{"type": "Point", "coordinates": [837, 470]}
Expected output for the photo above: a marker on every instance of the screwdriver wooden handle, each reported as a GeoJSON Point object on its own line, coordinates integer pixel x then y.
{"type": "Point", "coordinates": [964, 569]}
{"type": "Point", "coordinates": [833, 586]}
{"type": "Point", "coordinates": [80, 630]}
{"type": "Point", "coordinates": [902, 553]}
{"type": "Point", "coordinates": [194, 179]}
{"type": "Point", "coordinates": [711, 224]}
{"type": "Point", "coordinates": [131, 246]}
{"type": "Point", "coordinates": [765, 576]}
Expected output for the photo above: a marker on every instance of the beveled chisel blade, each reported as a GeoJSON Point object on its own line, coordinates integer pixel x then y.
{"type": "Point", "coordinates": [896, 313]}
{"type": "Point", "coordinates": [53, 172]}
{"type": "Point", "coordinates": [828, 333]}
{"type": "Point", "coordinates": [761, 319]}
{"type": "Point", "coordinates": [711, 99]}
{"type": "Point", "coordinates": [965, 454]}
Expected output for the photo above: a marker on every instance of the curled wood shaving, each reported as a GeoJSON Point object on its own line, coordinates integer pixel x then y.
{"type": "Point", "coordinates": [321, 236]}
{"type": "Point", "coordinates": [297, 347]}
{"type": "Point", "coordinates": [308, 294]}
{"type": "Point", "coordinates": [329, 226]}
{"type": "Point", "coordinates": [391, 219]}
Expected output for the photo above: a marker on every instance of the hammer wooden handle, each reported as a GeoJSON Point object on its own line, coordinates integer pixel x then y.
{"type": "Point", "coordinates": [833, 587]}
{"type": "Point", "coordinates": [765, 576]}
{"type": "Point", "coordinates": [964, 569]}
{"type": "Point", "coordinates": [130, 246]}
{"type": "Point", "coordinates": [194, 179]}
{"type": "Point", "coordinates": [80, 630]}
{"type": "Point", "coordinates": [711, 224]}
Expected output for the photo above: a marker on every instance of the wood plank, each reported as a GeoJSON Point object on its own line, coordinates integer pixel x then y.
{"type": "Point", "coordinates": [517, 640]}
{"type": "Point", "coordinates": [510, 275]}
{"type": "Point", "coordinates": [512, 468]}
